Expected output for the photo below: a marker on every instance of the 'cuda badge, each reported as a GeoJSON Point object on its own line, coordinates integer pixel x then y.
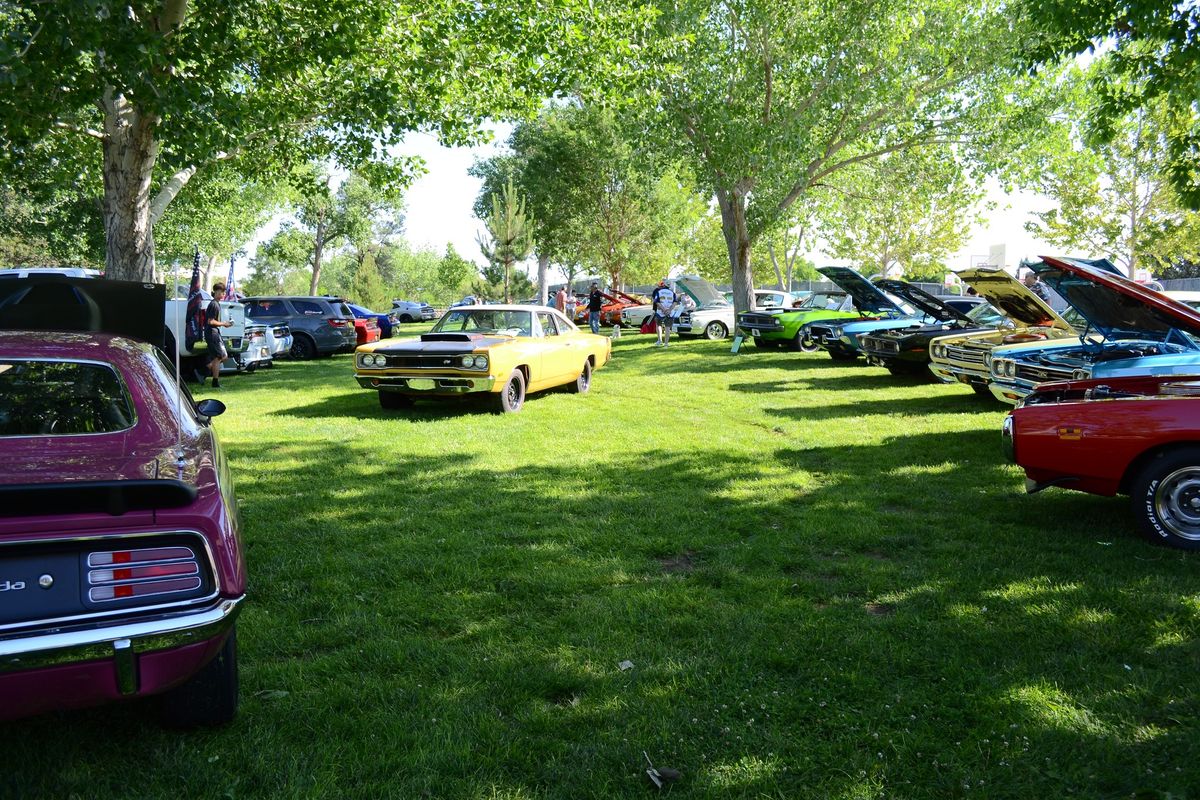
{"type": "Point", "coordinates": [447, 362]}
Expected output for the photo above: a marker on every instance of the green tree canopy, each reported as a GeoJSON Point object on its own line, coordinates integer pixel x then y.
{"type": "Point", "coordinates": [157, 90]}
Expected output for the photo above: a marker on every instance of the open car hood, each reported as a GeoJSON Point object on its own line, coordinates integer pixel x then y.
{"type": "Point", "coordinates": [93, 305]}
{"type": "Point", "coordinates": [703, 292]}
{"type": "Point", "coordinates": [930, 305]}
{"type": "Point", "coordinates": [1114, 305]}
{"type": "Point", "coordinates": [1013, 298]}
{"type": "Point", "coordinates": [867, 296]}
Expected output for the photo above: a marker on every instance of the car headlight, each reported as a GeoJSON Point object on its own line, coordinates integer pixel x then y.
{"type": "Point", "coordinates": [481, 362]}
{"type": "Point", "coordinates": [1010, 368]}
{"type": "Point", "coordinates": [380, 361]}
{"type": "Point", "coordinates": [468, 361]}
{"type": "Point", "coordinates": [1080, 375]}
{"type": "Point", "coordinates": [987, 360]}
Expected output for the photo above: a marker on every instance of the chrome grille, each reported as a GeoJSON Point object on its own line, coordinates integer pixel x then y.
{"type": "Point", "coordinates": [440, 361]}
{"type": "Point", "coordinates": [759, 321]}
{"type": "Point", "coordinates": [881, 345]}
{"type": "Point", "coordinates": [966, 355]}
{"type": "Point", "coordinates": [822, 332]}
{"type": "Point", "coordinates": [1037, 373]}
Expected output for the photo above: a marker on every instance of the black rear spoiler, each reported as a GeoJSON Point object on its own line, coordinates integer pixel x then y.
{"type": "Point", "coordinates": [82, 497]}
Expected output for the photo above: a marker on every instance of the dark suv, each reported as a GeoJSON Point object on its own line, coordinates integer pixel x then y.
{"type": "Point", "coordinates": [320, 325]}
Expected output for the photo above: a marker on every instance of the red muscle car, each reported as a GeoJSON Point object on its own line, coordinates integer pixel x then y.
{"type": "Point", "coordinates": [1138, 436]}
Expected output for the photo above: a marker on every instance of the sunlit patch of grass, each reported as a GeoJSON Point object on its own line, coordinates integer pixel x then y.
{"type": "Point", "coordinates": [795, 554]}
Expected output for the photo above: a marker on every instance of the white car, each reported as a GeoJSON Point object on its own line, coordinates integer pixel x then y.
{"type": "Point", "coordinates": [409, 311]}
{"type": "Point", "coordinates": [711, 318]}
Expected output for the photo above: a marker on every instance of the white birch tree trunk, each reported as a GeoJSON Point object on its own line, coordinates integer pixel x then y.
{"type": "Point", "coordinates": [129, 152]}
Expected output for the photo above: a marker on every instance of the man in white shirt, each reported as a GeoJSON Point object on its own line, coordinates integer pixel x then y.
{"type": "Point", "coordinates": [663, 300]}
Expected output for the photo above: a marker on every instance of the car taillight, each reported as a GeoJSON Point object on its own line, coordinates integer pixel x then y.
{"type": "Point", "coordinates": [339, 323]}
{"type": "Point", "coordinates": [146, 572]}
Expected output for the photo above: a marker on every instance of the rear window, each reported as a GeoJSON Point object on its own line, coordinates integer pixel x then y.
{"type": "Point", "coordinates": [266, 308]}
{"type": "Point", "coordinates": [343, 309]}
{"type": "Point", "coordinates": [61, 398]}
{"type": "Point", "coordinates": [311, 308]}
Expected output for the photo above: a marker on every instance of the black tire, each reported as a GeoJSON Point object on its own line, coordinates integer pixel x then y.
{"type": "Point", "coordinates": [510, 399]}
{"type": "Point", "coordinates": [715, 331]}
{"type": "Point", "coordinates": [394, 400]}
{"type": "Point", "coordinates": [271, 363]}
{"type": "Point", "coordinates": [584, 382]}
{"type": "Point", "coordinates": [303, 348]}
{"type": "Point", "coordinates": [804, 344]}
{"type": "Point", "coordinates": [842, 355]}
{"type": "Point", "coordinates": [1166, 498]}
{"type": "Point", "coordinates": [405, 318]}
{"type": "Point", "coordinates": [210, 697]}
{"type": "Point", "coordinates": [251, 367]}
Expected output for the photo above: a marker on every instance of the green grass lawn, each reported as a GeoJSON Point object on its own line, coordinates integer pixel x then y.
{"type": "Point", "coordinates": [829, 583]}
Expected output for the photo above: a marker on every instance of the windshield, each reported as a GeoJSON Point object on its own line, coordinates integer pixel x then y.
{"type": "Point", "coordinates": [828, 301]}
{"type": "Point", "coordinates": [485, 320]}
{"type": "Point", "coordinates": [986, 316]}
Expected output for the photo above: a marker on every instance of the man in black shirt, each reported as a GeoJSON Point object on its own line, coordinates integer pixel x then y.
{"type": "Point", "coordinates": [595, 303]}
{"type": "Point", "coordinates": [212, 336]}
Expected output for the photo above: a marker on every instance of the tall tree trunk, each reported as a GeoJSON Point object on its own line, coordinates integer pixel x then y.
{"type": "Point", "coordinates": [507, 267]}
{"type": "Point", "coordinates": [732, 203]}
{"type": "Point", "coordinates": [543, 266]}
{"type": "Point", "coordinates": [129, 151]}
{"type": "Point", "coordinates": [209, 265]}
{"type": "Point", "coordinates": [778, 273]}
{"type": "Point", "coordinates": [318, 251]}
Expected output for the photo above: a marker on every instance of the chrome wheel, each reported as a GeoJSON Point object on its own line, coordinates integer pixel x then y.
{"type": "Point", "coordinates": [1177, 503]}
{"type": "Point", "coordinates": [715, 330]}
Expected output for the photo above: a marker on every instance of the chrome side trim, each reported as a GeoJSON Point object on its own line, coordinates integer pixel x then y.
{"type": "Point", "coordinates": [120, 642]}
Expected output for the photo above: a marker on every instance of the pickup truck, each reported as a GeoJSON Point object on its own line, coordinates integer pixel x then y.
{"type": "Point", "coordinates": [237, 342]}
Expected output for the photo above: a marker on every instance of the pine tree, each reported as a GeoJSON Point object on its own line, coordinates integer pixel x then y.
{"type": "Point", "coordinates": [510, 233]}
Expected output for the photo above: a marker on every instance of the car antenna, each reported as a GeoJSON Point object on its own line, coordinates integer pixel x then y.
{"type": "Point", "coordinates": [179, 457]}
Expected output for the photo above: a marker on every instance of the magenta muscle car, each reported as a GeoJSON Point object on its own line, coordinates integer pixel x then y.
{"type": "Point", "coordinates": [121, 566]}
{"type": "Point", "coordinates": [1138, 436]}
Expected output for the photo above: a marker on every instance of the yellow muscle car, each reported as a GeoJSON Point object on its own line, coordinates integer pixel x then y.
{"type": "Point", "coordinates": [501, 352]}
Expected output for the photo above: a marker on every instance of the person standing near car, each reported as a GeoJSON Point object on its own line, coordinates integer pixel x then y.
{"type": "Point", "coordinates": [595, 303]}
{"type": "Point", "coordinates": [569, 304]}
{"type": "Point", "coordinates": [662, 300]}
{"type": "Point", "coordinates": [212, 334]}
{"type": "Point", "coordinates": [560, 300]}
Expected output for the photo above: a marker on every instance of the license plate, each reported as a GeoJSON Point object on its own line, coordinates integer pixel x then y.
{"type": "Point", "coordinates": [421, 383]}
{"type": "Point", "coordinates": [755, 332]}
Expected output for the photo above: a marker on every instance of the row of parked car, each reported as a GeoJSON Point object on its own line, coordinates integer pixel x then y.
{"type": "Point", "coordinates": [298, 327]}
{"type": "Point", "coordinates": [1106, 390]}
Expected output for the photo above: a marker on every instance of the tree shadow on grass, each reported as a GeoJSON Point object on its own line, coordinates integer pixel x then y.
{"type": "Point", "coordinates": [902, 597]}
{"type": "Point", "coordinates": [914, 406]}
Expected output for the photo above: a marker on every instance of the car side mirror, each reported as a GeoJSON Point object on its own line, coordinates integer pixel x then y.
{"type": "Point", "coordinates": [210, 408]}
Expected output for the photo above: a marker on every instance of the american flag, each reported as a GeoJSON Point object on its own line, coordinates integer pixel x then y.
{"type": "Point", "coordinates": [194, 327]}
{"type": "Point", "coordinates": [230, 292]}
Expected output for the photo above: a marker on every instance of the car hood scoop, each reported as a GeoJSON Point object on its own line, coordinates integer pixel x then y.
{"type": "Point", "coordinates": [453, 337]}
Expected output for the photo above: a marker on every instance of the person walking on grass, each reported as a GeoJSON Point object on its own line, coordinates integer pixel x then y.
{"type": "Point", "coordinates": [569, 304]}
{"type": "Point", "coordinates": [662, 300]}
{"type": "Point", "coordinates": [595, 303]}
{"type": "Point", "coordinates": [212, 336]}
{"type": "Point", "coordinates": [560, 300]}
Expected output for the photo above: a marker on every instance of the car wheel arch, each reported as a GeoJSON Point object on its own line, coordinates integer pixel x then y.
{"type": "Point", "coordinates": [1138, 464]}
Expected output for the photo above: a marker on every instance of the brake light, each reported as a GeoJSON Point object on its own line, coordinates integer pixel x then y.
{"type": "Point", "coordinates": [146, 572]}
{"type": "Point", "coordinates": [338, 323]}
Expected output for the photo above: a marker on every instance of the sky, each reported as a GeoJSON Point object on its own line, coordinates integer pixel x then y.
{"type": "Point", "coordinates": [438, 209]}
